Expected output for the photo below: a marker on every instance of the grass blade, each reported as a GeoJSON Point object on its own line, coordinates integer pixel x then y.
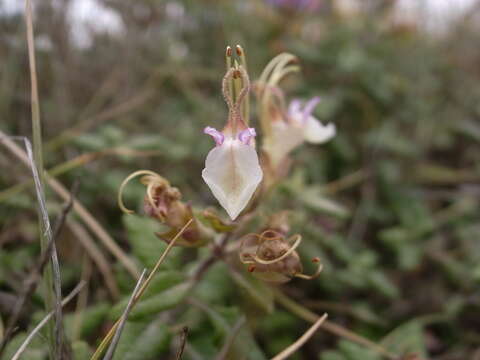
{"type": "Point", "coordinates": [42, 323]}
{"type": "Point", "coordinates": [123, 319]}
{"type": "Point", "coordinates": [106, 340]}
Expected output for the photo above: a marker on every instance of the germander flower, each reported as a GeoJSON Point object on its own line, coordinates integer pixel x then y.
{"type": "Point", "coordinates": [232, 170]}
{"type": "Point", "coordinates": [291, 128]}
{"type": "Point", "coordinates": [284, 127]}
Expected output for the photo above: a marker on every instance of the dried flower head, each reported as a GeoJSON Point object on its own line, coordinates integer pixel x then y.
{"type": "Point", "coordinates": [272, 257]}
{"type": "Point", "coordinates": [163, 203]}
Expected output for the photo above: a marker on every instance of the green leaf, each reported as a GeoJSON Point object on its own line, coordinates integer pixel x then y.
{"type": "Point", "coordinates": [349, 351]}
{"type": "Point", "coordinates": [81, 350]}
{"type": "Point", "coordinates": [216, 286]}
{"type": "Point", "coordinates": [407, 338]}
{"type": "Point", "coordinates": [145, 245]}
{"type": "Point", "coordinates": [161, 281]}
{"type": "Point", "coordinates": [36, 350]}
{"type": "Point", "coordinates": [332, 355]}
{"type": "Point", "coordinates": [143, 341]}
{"type": "Point", "coordinates": [314, 198]}
{"type": "Point", "coordinates": [244, 347]}
{"type": "Point", "coordinates": [90, 319]}
{"type": "Point", "coordinates": [258, 291]}
{"type": "Point", "coordinates": [154, 304]}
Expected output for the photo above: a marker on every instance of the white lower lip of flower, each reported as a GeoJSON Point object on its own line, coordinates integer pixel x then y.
{"type": "Point", "coordinates": [232, 172]}
{"type": "Point", "coordinates": [317, 133]}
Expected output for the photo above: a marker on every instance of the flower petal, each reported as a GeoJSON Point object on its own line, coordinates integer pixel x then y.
{"type": "Point", "coordinates": [294, 107]}
{"type": "Point", "coordinates": [232, 172]}
{"type": "Point", "coordinates": [315, 132]}
{"type": "Point", "coordinates": [215, 134]}
{"type": "Point", "coordinates": [246, 135]}
{"type": "Point", "coordinates": [310, 106]}
{"type": "Point", "coordinates": [283, 139]}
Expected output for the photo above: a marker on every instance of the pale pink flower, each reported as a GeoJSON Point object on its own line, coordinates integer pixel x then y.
{"type": "Point", "coordinates": [291, 129]}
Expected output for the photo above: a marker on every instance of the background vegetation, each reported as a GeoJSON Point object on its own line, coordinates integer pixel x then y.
{"type": "Point", "coordinates": [390, 205]}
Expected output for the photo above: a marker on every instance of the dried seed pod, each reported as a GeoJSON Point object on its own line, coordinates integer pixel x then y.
{"type": "Point", "coordinates": [272, 257]}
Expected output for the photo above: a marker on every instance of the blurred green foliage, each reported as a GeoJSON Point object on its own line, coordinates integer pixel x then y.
{"type": "Point", "coordinates": [399, 242]}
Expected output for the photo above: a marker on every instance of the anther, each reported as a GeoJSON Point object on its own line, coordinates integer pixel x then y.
{"type": "Point", "coordinates": [316, 260]}
{"type": "Point", "coordinates": [251, 268]}
{"type": "Point", "coordinates": [239, 50]}
{"type": "Point", "coordinates": [228, 52]}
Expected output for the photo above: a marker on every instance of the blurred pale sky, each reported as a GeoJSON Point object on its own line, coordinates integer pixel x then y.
{"type": "Point", "coordinates": [90, 15]}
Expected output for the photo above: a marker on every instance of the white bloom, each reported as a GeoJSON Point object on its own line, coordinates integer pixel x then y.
{"type": "Point", "coordinates": [232, 171]}
{"type": "Point", "coordinates": [298, 126]}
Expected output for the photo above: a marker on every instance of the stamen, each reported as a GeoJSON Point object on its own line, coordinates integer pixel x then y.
{"type": "Point", "coordinates": [246, 86]}
{"type": "Point", "coordinates": [126, 181]}
{"type": "Point", "coordinates": [246, 104]}
{"type": "Point", "coordinates": [227, 94]}
{"type": "Point", "coordinates": [239, 49]}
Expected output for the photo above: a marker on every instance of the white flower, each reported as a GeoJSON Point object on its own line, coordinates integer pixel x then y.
{"type": "Point", "coordinates": [232, 171]}
{"type": "Point", "coordinates": [295, 127]}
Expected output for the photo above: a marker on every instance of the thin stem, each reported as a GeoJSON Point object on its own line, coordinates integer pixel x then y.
{"type": "Point", "coordinates": [302, 340]}
{"type": "Point", "coordinates": [183, 342]}
{"type": "Point", "coordinates": [74, 163]}
{"type": "Point", "coordinates": [45, 231]}
{"type": "Point", "coordinates": [123, 319]}
{"type": "Point", "coordinates": [106, 340]}
{"type": "Point", "coordinates": [333, 328]}
{"type": "Point", "coordinates": [81, 211]}
{"type": "Point", "coordinates": [222, 355]}
{"type": "Point", "coordinates": [42, 323]}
